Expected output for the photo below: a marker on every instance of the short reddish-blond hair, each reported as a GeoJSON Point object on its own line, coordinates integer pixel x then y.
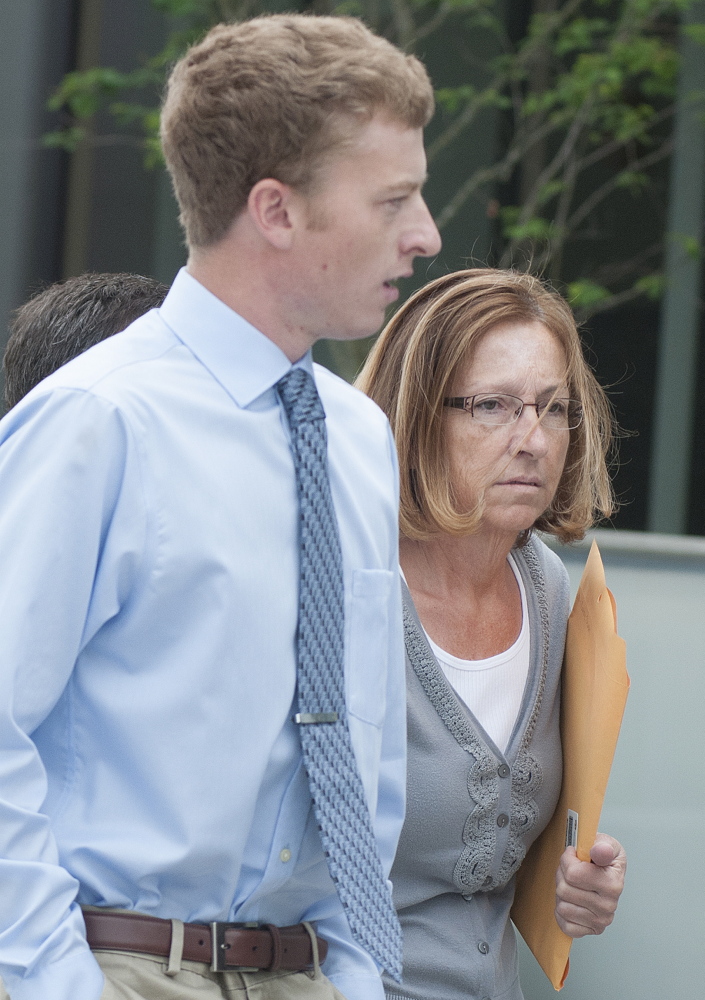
{"type": "Point", "coordinates": [271, 97]}
{"type": "Point", "coordinates": [414, 364]}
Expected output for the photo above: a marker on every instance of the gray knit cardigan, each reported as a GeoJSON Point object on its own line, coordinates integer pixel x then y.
{"type": "Point", "coordinates": [473, 811]}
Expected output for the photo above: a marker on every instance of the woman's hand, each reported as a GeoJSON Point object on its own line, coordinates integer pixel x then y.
{"type": "Point", "coordinates": [587, 892]}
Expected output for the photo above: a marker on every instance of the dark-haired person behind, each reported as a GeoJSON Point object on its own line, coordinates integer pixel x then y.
{"type": "Point", "coordinates": [502, 430]}
{"type": "Point", "coordinates": [64, 320]}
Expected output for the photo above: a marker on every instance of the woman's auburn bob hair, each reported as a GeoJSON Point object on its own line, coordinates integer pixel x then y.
{"type": "Point", "coordinates": [414, 364]}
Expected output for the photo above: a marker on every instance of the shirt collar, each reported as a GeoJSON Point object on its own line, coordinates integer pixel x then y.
{"type": "Point", "coordinates": [243, 360]}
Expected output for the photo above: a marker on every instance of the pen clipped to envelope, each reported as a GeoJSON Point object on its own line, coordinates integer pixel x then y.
{"type": "Point", "coordinates": [593, 695]}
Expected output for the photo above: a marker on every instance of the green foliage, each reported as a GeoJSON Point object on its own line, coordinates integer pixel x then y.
{"type": "Point", "coordinates": [696, 32]}
{"type": "Point", "coordinates": [585, 294]}
{"type": "Point", "coordinates": [452, 99]}
{"type": "Point", "coordinates": [689, 244]}
{"type": "Point", "coordinates": [585, 99]}
{"type": "Point", "coordinates": [633, 181]}
{"type": "Point", "coordinates": [69, 138]}
{"type": "Point", "coordinates": [652, 286]}
{"type": "Point", "coordinates": [580, 35]}
{"type": "Point", "coordinates": [517, 228]}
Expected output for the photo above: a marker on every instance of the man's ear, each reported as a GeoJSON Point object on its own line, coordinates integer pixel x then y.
{"type": "Point", "coordinates": [269, 206]}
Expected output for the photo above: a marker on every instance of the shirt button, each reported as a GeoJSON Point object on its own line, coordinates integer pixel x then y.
{"type": "Point", "coordinates": [483, 947]}
{"type": "Point", "coordinates": [285, 855]}
{"type": "Point", "coordinates": [503, 771]}
{"type": "Point", "coordinates": [502, 819]}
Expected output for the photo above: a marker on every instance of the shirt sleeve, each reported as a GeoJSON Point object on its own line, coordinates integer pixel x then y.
{"type": "Point", "coordinates": [63, 460]}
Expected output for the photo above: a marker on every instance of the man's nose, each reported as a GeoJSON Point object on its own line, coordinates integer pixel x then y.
{"type": "Point", "coordinates": [424, 240]}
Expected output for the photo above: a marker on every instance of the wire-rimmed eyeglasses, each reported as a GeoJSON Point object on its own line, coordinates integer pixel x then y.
{"type": "Point", "coordinates": [498, 408]}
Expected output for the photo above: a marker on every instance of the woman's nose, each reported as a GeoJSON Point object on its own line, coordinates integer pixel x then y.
{"type": "Point", "coordinates": [531, 433]}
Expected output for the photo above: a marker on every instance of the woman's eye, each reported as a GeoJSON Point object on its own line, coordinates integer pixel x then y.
{"type": "Point", "coordinates": [489, 405]}
{"type": "Point", "coordinates": [558, 407]}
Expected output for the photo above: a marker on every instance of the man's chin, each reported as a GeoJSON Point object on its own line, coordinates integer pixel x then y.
{"type": "Point", "coordinates": [357, 333]}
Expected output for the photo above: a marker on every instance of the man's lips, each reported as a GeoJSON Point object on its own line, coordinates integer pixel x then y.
{"type": "Point", "coordinates": [391, 290]}
{"type": "Point", "coordinates": [392, 281]}
{"type": "Point", "coordinates": [390, 286]}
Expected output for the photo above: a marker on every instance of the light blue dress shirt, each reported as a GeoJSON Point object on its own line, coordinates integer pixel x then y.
{"type": "Point", "coordinates": [148, 606]}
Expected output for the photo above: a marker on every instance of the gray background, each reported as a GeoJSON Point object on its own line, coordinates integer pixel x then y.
{"type": "Point", "coordinates": [654, 802]}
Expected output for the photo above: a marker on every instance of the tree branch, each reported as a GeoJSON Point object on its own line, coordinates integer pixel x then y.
{"type": "Point", "coordinates": [500, 80]}
{"type": "Point", "coordinates": [403, 23]}
{"type": "Point", "coordinates": [559, 221]}
{"type": "Point", "coordinates": [500, 171]}
{"type": "Point", "coordinates": [612, 147]}
{"type": "Point", "coordinates": [599, 194]}
{"type": "Point", "coordinates": [432, 24]}
{"type": "Point", "coordinates": [609, 273]}
{"type": "Point", "coordinates": [611, 302]}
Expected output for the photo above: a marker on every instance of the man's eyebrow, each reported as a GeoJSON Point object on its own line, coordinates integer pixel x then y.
{"type": "Point", "coordinates": [405, 186]}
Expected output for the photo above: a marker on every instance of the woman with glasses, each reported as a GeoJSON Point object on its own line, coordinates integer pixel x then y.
{"type": "Point", "coordinates": [502, 430]}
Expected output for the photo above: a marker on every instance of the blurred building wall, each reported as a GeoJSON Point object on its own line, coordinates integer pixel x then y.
{"type": "Point", "coordinates": [655, 802]}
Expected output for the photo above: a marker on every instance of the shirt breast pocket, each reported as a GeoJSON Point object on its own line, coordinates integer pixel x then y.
{"type": "Point", "coordinates": [368, 644]}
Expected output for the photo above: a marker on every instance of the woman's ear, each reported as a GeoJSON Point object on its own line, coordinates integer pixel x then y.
{"type": "Point", "coordinates": [269, 206]}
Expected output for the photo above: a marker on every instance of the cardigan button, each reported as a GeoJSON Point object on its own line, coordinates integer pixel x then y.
{"type": "Point", "coordinates": [502, 819]}
{"type": "Point", "coordinates": [503, 771]}
{"type": "Point", "coordinates": [483, 947]}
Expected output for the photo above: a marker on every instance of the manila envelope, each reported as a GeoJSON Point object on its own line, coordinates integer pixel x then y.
{"type": "Point", "coordinates": [593, 696]}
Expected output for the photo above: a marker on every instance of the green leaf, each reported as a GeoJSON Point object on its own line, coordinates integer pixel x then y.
{"type": "Point", "coordinates": [652, 285]}
{"type": "Point", "coordinates": [535, 228]}
{"type": "Point", "coordinates": [127, 114]}
{"type": "Point", "coordinates": [696, 32]}
{"type": "Point", "coordinates": [153, 156]}
{"type": "Point", "coordinates": [550, 190]}
{"type": "Point", "coordinates": [181, 8]}
{"type": "Point", "coordinates": [584, 293]}
{"type": "Point", "coordinates": [68, 139]}
{"type": "Point", "coordinates": [633, 181]}
{"type": "Point", "coordinates": [579, 35]}
{"type": "Point", "coordinates": [349, 8]}
{"type": "Point", "coordinates": [690, 244]}
{"type": "Point", "coordinates": [452, 99]}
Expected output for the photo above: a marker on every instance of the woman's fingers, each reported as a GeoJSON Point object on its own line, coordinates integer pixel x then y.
{"type": "Point", "coordinates": [587, 892]}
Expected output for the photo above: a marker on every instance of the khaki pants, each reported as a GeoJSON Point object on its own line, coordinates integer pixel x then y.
{"type": "Point", "coordinates": [132, 976]}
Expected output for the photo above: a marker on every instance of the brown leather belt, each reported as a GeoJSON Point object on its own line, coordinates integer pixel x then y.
{"type": "Point", "coordinates": [225, 947]}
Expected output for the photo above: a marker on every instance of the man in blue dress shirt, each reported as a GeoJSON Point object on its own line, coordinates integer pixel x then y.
{"type": "Point", "coordinates": [149, 539]}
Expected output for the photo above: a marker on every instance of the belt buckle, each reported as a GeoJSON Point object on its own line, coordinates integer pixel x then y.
{"type": "Point", "coordinates": [219, 948]}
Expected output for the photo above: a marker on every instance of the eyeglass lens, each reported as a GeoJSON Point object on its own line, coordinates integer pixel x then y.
{"type": "Point", "coordinates": [498, 408]}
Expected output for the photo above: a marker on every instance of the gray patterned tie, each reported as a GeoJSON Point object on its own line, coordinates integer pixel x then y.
{"type": "Point", "coordinates": [336, 787]}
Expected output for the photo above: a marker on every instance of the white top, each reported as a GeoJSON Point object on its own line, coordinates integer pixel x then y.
{"type": "Point", "coordinates": [494, 687]}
